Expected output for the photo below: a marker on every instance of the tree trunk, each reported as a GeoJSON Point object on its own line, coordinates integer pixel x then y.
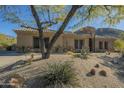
{"type": "Point", "coordinates": [46, 55]}
{"type": "Point", "coordinates": [61, 29]}
{"type": "Point", "coordinates": [40, 30]}
{"type": "Point", "coordinates": [41, 45]}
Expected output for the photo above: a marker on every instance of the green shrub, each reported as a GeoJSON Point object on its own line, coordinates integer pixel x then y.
{"type": "Point", "coordinates": [59, 75]}
{"type": "Point", "coordinates": [84, 53]}
{"type": "Point", "coordinates": [77, 55]}
{"type": "Point", "coordinates": [9, 48]}
{"type": "Point", "coordinates": [4, 44]}
{"type": "Point", "coordinates": [119, 45]}
{"type": "Point", "coordinates": [69, 53]}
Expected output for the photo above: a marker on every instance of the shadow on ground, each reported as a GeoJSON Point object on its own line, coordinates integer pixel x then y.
{"type": "Point", "coordinates": [35, 82]}
{"type": "Point", "coordinates": [108, 61]}
{"type": "Point", "coordinates": [117, 67]}
{"type": "Point", "coordinates": [10, 53]}
{"type": "Point", "coordinates": [18, 64]}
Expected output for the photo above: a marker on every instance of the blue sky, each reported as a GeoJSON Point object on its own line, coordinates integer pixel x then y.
{"type": "Point", "coordinates": [7, 27]}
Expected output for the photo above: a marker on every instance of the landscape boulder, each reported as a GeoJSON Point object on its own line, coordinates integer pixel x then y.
{"type": "Point", "coordinates": [14, 81]}
{"type": "Point", "coordinates": [103, 73]}
{"type": "Point", "coordinates": [92, 71]}
{"type": "Point", "coordinates": [97, 66]}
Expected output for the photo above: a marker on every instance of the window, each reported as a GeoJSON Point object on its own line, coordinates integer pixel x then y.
{"type": "Point", "coordinates": [78, 44]}
{"type": "Point", "coordinates": [100, 45]}
{"type": "Point", "coordinates": [36, 42]}
{"type": "Point", "coordinates": [106, 45]}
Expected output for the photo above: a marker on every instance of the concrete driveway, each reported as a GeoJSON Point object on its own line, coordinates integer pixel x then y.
{"type": "Point", "coordinates": [10, 57]}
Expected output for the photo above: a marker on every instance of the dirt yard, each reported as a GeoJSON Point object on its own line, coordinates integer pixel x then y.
{"type": "Point", "coordinates": [114, 78]}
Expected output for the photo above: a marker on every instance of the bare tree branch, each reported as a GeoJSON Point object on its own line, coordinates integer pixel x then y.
{"type": "Point", "coordinates": [86, 17]}
{"type": "Point", "coordinates": [48, 22]}
{"type": "Point", "coordinates": [109, 11]}
{"type": "Point", "coordinates": [62, 27]}
{"type": "Point", "coordinates": [49, 17]}
{"type": "Point", "coordinates": [25, 26]}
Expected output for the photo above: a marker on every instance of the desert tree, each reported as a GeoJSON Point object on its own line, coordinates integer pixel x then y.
{"type": "Point", "coordinates": [43, 17]}
{"type": "Point", "coordinates": [119, 44]}
{"type": "Point", "coordinates": [65, 22]}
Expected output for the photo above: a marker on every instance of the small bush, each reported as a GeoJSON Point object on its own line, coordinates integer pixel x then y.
{"type": "Point", "coordinates": [84, 53]}
{"type": "Point", "coordinates": [4, 44]}
{"type": "Point", "coordinates": [9, 48]}
{"type": "Point", "coordinates": [59, 75]}
{"type": "Point", "coordinates": [97, 66]}
{"type": "Point", "coordinates": [69, 53]}
{"type": "Point", "coordinates": [30, 59]}
{"type": "Point", "coordinates": [78, 55]}
{"type": "Point", "coordinates": [32, 56]}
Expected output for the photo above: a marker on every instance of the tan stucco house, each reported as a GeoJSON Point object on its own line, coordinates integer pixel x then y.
{"type": "Point", "coordinates": [83, 38]}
